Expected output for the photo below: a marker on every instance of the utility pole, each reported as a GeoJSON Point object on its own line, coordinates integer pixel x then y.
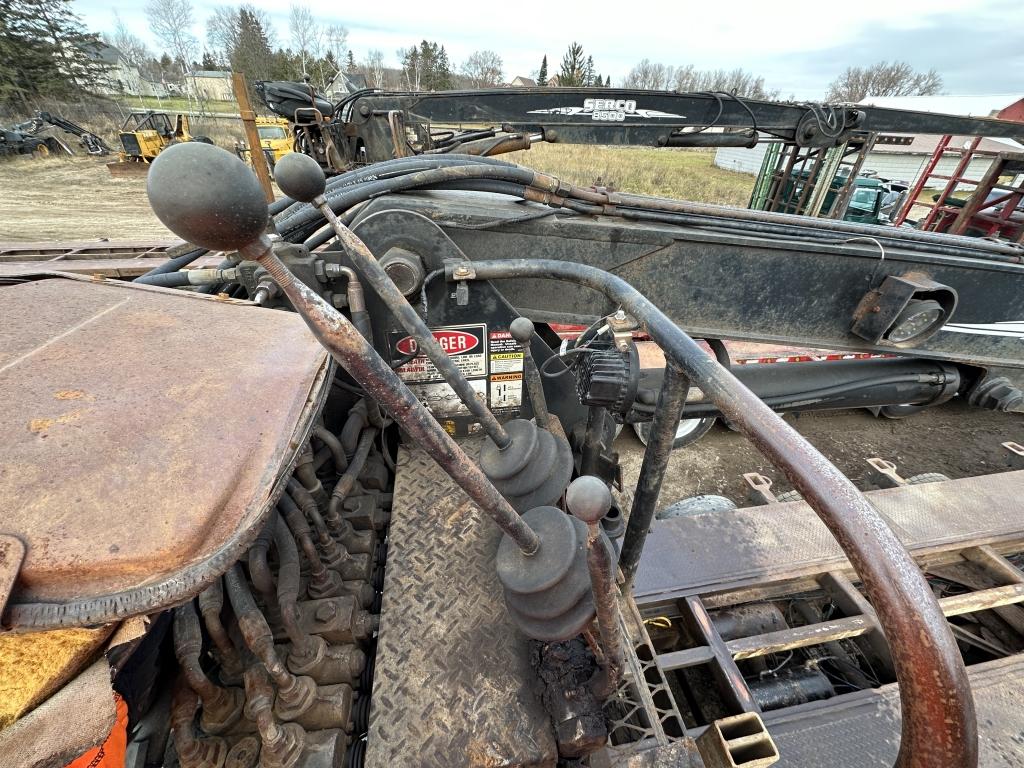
{"type": "Point", "coordinates": [252, 136]}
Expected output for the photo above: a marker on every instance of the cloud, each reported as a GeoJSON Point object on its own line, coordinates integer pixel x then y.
{"type": "Point", "coordinates": [968, 43]}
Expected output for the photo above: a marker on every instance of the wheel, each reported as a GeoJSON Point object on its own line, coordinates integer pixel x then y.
{"type": "Point", "coordinates": [789, 496]}
{"type": "Point", "coordinates": [927, 477]}
{"type": "Point", "coordinates": [899, 411]}
{"type": "Point", "coordinates": [696, 505]}
{"type": "Point", "coordinates": [203, 139]}
{"type": "Point", "coordinates": [689, 431]}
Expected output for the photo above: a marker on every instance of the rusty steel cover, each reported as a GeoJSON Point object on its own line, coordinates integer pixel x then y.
{"type": "Point", "coordinates": [143, 434]}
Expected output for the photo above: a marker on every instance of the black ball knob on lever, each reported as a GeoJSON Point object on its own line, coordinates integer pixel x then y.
{"type": "Point", "coordinates": [207, 196]}
{"type": "Point", "coordinates": [300, 177]}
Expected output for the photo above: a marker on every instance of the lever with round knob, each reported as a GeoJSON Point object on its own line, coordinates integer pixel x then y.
{"type": "Point", "coordinates": [209, 197]}
{"type": "Point", "coordinates": [529, 467]}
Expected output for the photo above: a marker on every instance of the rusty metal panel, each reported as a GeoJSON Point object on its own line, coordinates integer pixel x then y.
{"type": "Point", "coordinates": [143, 431]}
{"type": "Point", "coordinates": [452, 684]}
{"type": "Point", "coordinates": [756, 545]}
{"type": "Point", "coordinates": [863, 730]}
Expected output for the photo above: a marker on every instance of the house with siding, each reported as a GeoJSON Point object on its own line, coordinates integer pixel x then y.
{"type": "Point", "coordinates": [902, 157]}
{"type": "Point", "coordinates": [210, 85]}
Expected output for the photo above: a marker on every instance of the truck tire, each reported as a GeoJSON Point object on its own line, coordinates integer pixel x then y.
{"type": "Point", "coordinates": [688, 432]}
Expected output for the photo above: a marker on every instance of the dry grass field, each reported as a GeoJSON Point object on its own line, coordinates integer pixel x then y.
{"type": "Point", "coordinates": [77, 199]}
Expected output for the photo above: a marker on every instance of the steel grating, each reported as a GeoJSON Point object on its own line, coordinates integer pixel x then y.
{"type": "Point", "coordinates": [452, 684]}
{"type": "Point", "coordinates": [862, 730]}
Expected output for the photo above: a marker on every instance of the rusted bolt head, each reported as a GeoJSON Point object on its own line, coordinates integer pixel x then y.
{"type": "Point", "coordinates": [521, 329]}
{"type": "Point", "coordinates": [588, 498]}
{"type": "Point", "coordinates": [300, 177]}
{"type": "Point", "coordinates": [326, 611]}
{"type": "Point", "coordinates": [207, 196]}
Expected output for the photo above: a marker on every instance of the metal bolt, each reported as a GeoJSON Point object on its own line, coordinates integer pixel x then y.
{"type": "Point", "coordinates": [619, 315]}
{"type": "Point", "coordinates": [461, 272]}
{"type": "Point", "coordinates": [364, 110]}
{"type": "Point", "coordinates": [326, 611]}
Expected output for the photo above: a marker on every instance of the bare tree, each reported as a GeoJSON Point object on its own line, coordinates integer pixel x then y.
{"type": "Point", "coordinates": [171, 22]}
{"type": "Point", "coordinates": [336, 43]}
{"type": "Point", "coordinates": [131, 46]}
{"type": "Point", "coordinates": [374, 68]}
{"type": "Point", "coordinates": [649, 75]}
{"type": "Point", "coordinates": [738, 82]}
{"type": "Point", "coordinates": [883, 79]}
{"type": "Point", "coordinates": [222, 30]}
{"type": "Point", "coordinates": [483, 69]}
{"type": "Point", "coordinates": [305, 33]}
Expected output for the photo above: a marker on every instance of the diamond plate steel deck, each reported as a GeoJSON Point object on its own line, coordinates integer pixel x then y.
{"type": "Point", "coordinates": [453, 681]}
{"type": "Point", "coordinates": [863, 731]}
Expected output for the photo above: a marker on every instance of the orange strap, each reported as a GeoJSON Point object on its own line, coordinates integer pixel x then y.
{"type": "Point", "coordinates": [109, 754]}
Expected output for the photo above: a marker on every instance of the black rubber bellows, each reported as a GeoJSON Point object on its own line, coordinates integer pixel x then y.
{"type": "Point", "coordinates": [533, 470]}
{"type": "Point", "coordinates": [548, 594]}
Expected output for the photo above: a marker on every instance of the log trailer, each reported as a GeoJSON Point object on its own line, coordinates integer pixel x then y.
{"type": "Point", "coordinates": [342, 498]}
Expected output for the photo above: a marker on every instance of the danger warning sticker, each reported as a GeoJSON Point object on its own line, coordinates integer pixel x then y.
{"type": "Point", "coordinates": [465, 344]}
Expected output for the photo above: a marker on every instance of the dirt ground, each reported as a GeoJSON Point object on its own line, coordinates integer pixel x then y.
{"type": "Point", "coordinates": [954, 439]}
{"type": "Point", "coordinates": [72, 198]}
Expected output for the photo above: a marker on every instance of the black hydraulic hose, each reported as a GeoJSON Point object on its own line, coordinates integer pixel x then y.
{"type": "Point", "coordinates": [173, 265]}
{"type": "Point", "coordinates": [349, 196]}
{"type": "Point", "coordinates": [331, 440]}
{"type": "Point", "coordinates": [849, 228]}
{"type": "Point", "coordinates": [792, 399]}
{"type": "Point", "coordinates": [164, 279]}
{"type": "Point", "coordinates": [784, 232]}
{"type": "Point", "coordinates": [347, 481]}
{"type": "Point", "coordinates": [289, 586]}
{"type": "Point", "coordinates": [939, 722]}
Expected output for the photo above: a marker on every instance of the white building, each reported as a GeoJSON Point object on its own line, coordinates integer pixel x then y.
{"type": "Point", "coordinates": [210, 85]}
{"type": "Point", "coordinates": [902, 160]}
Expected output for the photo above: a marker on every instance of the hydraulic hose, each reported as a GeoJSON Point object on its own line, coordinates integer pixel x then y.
{"type": "Point", "coordinates": [331, 440]}
{"type": "Point", "coordinates": [939, 723]}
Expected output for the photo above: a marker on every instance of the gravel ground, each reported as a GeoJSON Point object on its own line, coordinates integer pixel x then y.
{"type": "Point", "coordinates": [954, 439]}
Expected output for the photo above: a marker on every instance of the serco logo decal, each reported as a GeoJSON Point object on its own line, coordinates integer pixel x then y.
{"type": "Point", "coordinates": [606, 110]}
{"type": "Point", "coordinates": [452, 342]}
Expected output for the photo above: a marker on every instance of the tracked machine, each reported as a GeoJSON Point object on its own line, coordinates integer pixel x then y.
{"type": "Point", "coordinates": [340, 496]}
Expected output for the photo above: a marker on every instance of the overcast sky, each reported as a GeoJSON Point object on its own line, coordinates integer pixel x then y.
{"type": "Point", "coordinates": [798, 46]}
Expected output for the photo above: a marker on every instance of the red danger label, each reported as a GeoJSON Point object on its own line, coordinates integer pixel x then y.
{"type": "Point", "coordinates": [452, 342]}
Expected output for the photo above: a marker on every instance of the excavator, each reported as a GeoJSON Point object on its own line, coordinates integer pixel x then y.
{"type": "Point", "coordinates": [26, 138]}
{"type": "Point", "coordinates": [325, 488]}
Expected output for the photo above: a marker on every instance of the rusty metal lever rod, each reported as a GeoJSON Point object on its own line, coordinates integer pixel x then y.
{"type": "Point", "coordinates": [939, 725]}
{"type": "Point", "coordinates": [301, 178]}
{"type": "Point", "coordinates": [209, 197]}
{"type": "Point", "coordinates": [652, 471]}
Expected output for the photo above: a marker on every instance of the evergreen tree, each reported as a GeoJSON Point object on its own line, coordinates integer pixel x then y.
{"type": "Point", "coordinates": [542, 78]}
{"type": "Point", "coordinates": [350, 64]}
{"type": "Point", "coordinates": [573, 67]}
{"type": "Point", "coordinates": [608, 81]}
{"type": "Point", "coordinates": [442, 72]}
{"type": "Point", "coordinates": [45, 52]}
{"type": "Point", "coordinates": [209, 62]}
{"type": "Point", "coordinates": [251, 53]}
{"type": "Point", "coordinates": [588, 72]}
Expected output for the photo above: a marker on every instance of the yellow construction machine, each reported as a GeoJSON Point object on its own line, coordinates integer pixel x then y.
{"type": "Point", "coordinates": [276, 141]}
{"type": "Point", "coordinates": [144, 135]}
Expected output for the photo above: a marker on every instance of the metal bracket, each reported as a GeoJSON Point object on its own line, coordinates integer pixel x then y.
{"type": "Point", "coordinates": [760, 488]}
{"type": "Point", "coordinates": [1016, 458]}
{"type": "Point", "coordinates": [740, 741]}
{"type": "Point", "coordinates": [885, 474]}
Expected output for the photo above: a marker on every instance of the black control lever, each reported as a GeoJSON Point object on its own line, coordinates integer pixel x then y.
{"type": "Point", "coordinates": [209, 197]}
{"type": "Point", "coordinates": [530, 467]}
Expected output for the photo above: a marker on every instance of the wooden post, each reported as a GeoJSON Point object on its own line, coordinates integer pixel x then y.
{"type": "Point", "coordinates": [252, 136]}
